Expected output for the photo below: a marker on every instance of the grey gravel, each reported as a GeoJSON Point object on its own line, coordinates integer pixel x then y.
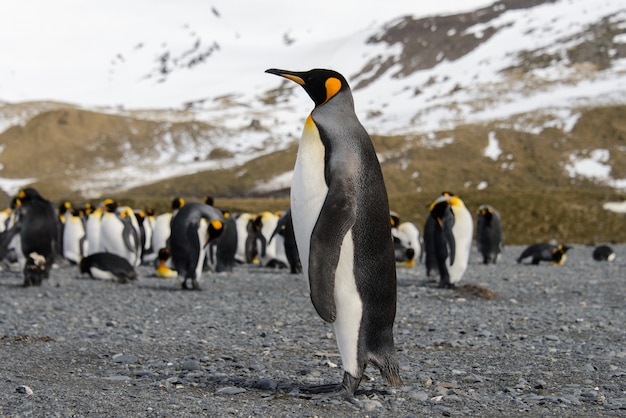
{"type": "Point", "coordinates": [552, 343]}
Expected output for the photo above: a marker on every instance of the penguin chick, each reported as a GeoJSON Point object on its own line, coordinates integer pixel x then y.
{"type": "Point", "coordinates": [340, 214]}
{"type": "Point", "coordinates": [108, 266]}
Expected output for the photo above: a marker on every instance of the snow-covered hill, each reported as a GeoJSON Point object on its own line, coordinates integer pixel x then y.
{"type": "Point", "coordinates": [413, 70]}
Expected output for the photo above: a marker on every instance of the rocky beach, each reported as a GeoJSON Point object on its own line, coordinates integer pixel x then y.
{"type": "Point", "coordinates": [511, 340]}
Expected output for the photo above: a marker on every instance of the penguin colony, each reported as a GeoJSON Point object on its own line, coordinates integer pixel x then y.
{"type": "Point", "coordinates": [338, 232]}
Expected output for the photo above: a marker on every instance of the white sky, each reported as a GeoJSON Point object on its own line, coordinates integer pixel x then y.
{"type": "Point", "coordinates": [63, 49]}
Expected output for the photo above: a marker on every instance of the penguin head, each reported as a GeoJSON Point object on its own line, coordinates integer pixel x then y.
{"type": "Point", "coordinates": [321, 84]}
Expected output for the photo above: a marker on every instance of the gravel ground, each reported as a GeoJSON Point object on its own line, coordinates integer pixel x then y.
{"type": "Point", "coordinates": [522, 340]}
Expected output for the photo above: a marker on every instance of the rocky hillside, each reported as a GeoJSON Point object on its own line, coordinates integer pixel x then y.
{"type": "Point", "coordinates": [515, 101]}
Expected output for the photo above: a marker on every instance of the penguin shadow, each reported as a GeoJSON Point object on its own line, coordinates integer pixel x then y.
{"type": "Point", "coordinates": [467, 290]}
{"type": "Point", "coordinates": [277, 389]}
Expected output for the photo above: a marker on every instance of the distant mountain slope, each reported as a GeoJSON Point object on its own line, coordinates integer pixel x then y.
{"type": "Point", "coordinates": [517, 94]}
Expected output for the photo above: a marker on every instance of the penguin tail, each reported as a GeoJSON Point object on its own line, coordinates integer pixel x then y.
{"type": "Point", "coordinates": [389, 369]}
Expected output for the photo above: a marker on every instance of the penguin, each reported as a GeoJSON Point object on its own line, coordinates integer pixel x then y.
{"type": "Point", "coordinates": [244, 252]}
{"type": "Point", "coordinates": [193, 226]}
{"type": "Point", "coordinates": [162, 270]}
{"type": "Point", "coordinates": [222, 249]}
{"type": "Point", "coordinates": [340, 213]}
{"type": "Point", "coordinates": [452, 238]}
{"type": "Point", "coordinates": [119, 234]}
{"type": "Point", "coordinates": [35, 233]}
{"type": "Point", "coordinates": [162, 225]}
{"type": "Point", "coordinates": [74, 236]}
{"type": "Point", "coordinates": [272, 247]}
{"type": "Point", "coordinates": [543, 251]}
{"type": "Point", "coordinates": [145, 222]}
{"type": "Point", "coordinates": [603, 253]}
{"type": "Point", "coordinates": [430, 260]}
{"type": "Point", "coordinates": [408, 236]}
{"type": "Point", "coordinates": [92, 230]}
{"type": "Point", "coordinates": [488, 234]}
{"type": "Point", "coordinates": [108, 266]}
{"type": "Point", "coordinates": [284, 228]}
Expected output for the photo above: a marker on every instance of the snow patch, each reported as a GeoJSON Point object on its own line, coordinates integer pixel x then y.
{"type": "Point", "coordinates": [493, 149]}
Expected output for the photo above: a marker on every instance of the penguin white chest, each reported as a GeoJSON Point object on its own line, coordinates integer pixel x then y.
{"type": "Point", "coordinates": [308, 189]}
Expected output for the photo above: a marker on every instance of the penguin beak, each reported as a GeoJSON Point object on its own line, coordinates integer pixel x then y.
{"type": "Point", "coordinates": [291, 75]}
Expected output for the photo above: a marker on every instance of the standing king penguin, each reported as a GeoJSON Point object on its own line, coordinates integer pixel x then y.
{"type": "Point", "coordinates": [341, 223]}
{"type": "Point", "coordinates": [452, 238]}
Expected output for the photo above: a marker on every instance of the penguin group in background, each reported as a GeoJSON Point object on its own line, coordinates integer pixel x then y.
{"type": "Point", "coordinates": [488, 234]}
{"type": "Point", "coordinates": [450, 234]}
{"type": "Point", "coordinates": [108, 266]}
{"type": "Point", "coordinates": [35, 234]}
{"type": "Point", "coordinates": [543, 251]}
{"type": "Point", "coordinates": [340, 215]}
{"type": "Point", "coordinates": [193, 226]}
{"type": "Point", "coordinates": [603, 253]}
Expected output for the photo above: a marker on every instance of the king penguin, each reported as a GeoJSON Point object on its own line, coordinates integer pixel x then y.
{"type": "Point", "coordinates": [340, 215]}
{"type": "Point", "coordinates": [193, 227]}
{"type": "Point", "coordinates": [488, 234]}
{"type": "Point", "coordinates": [452, 238]}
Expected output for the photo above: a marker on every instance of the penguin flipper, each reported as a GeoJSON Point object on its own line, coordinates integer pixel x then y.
{"type": "Point", "coordinates": [448, 236]}
{"type": "Point", "coordinates": [338, 214]}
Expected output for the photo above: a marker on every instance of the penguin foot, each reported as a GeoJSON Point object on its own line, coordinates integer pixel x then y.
{"type": "Point", "coordinates": [345, 389]}
{"type": "Point", "coordinates": [446, 285]}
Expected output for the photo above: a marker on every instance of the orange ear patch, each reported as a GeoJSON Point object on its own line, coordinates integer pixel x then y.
{"type": "Point", "coordinates": [333, 85]}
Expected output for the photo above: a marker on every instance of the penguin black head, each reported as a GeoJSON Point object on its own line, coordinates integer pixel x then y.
{"type": "Point", "coordinates": [28, 194]}
{"type": "Point", "coordinates": [177, 203]}
{"type": "Point", "coordinates": [321, 84]}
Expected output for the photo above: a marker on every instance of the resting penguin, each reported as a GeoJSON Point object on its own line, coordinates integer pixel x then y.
{"type": "Point", "coordinates": [340, 216]}
{"type": "Point", "coordinates": [452, 238]}
{"type": "Point", "coordinates": [193, 227]}
{"type": "Point", "coordinates": [488, 234]}
{"type": "Point", "coordinates": [555, 253]}
{"type": "Point", "coordinates": [107, 266]}
{"type": "Point", "coordinates": [603, 253]}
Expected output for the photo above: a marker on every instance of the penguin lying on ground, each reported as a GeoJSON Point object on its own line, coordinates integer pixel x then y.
{"type": "Point", "coordinates": [545, 252]}
{"type": "Point", "coordinates": [108, 266]}
{"type": "Point", "coordinates": [603, 253]}
{"type": "Point", "coordinates": [452, 229]}
{"type": "Point", "coordinates": [340, 215]}
{"type": "Point", "coordinates": [488, 234]}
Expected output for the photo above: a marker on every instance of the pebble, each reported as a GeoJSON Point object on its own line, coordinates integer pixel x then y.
{"type": "Point", "coordinates": [24, 390]}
